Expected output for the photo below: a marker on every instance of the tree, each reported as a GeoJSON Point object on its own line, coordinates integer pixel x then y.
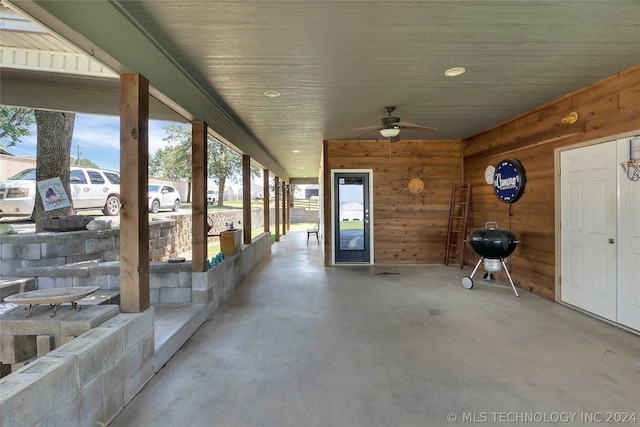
{"type": "Point", "coordinates": [174, 160]}
{"type": "Point", "coordinates": [14, 124]}
{"type": "Point", "coordinates": [55, 130]}
{"type": "Point", "coordinates": [223, 163]}
{"type": "Point", "coordinates": [83, 162]}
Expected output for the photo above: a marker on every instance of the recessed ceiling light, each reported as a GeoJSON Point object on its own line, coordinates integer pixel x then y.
{"type": "Point", "coordinates": [301, 167]}
{"type": "Point", "coordinates": [455, 71]}
{"type": "Point", "coordinates": [272, 94]}
{"type": "Point", "coordinates": [295, 151]}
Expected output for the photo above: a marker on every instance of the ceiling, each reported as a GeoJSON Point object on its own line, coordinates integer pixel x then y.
{"type": "Point", "coordinates": [337, 64]}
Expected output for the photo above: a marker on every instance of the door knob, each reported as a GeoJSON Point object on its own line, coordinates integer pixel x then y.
{"type": "Point", "coordinates": [611, 241]}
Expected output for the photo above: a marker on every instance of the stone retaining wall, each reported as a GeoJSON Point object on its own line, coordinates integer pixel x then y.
{"type": "Point", "coordinates": [166, 239]}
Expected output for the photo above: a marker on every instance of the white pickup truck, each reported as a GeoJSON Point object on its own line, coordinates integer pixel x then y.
{"type": "Point", "coordinates": [90, 189]}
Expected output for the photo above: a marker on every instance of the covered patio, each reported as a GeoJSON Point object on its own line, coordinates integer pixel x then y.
{"type": "Point", "coordinates": [395, 340]}
{"type": "Point", "coordinates": [302, 344]}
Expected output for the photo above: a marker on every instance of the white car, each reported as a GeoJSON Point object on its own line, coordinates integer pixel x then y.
{"type": "Point", "coordinates": [90, 189]}
{"type": "Point", "coordinates": [212, 196]}
{"type": "Point", "coordinates": [163, 197]}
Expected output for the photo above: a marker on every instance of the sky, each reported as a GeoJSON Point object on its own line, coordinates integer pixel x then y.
{"type": "Point", "coordinates": [97, 137]}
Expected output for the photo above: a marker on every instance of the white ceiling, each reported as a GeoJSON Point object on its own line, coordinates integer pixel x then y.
{"type": "Point", "coordinates": [337, 64]}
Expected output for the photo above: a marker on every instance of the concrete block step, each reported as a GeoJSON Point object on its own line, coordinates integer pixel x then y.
{"type": "Point", "coordinates": [87, 319]}
{"type": "Point", "coordinates": [102, 297]}
{"type": "Point", "coordinates": [76, 269]}
{"type": "Point", "coordinates": [173, 325]}
{"type": "Point", "coordinates": [94, 268]}
{"type": "Point", "coordinates": [15, 285]}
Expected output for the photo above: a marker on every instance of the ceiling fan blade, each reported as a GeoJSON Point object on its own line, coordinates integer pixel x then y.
{"type": "Point", "coordinates": [412, 126]}
{"type": "Point", "coordinates": [368, 127]}
{"type": "Point", "coordinates": [394, 138]}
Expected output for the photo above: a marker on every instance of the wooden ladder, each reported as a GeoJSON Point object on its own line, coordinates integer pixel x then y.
{"type": "Point", "coordinates": [458, 220]}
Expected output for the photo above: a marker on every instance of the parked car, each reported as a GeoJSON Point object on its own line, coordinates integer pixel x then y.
{"type": "Point", "coordinates": [163, 197]}
{"type": "Point", "coordinates": [90, 189]}
{"type": "Point", "coordinates": [212, 196]}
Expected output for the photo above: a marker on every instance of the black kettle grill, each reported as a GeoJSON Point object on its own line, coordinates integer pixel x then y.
{"type": "Point", "coordinates": [493, 244]}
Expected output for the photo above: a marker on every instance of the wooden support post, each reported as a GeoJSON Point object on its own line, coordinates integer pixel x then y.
{"type": "Point", "coordinates": [284, 208]}
{"type": "Point", "coordinates": [265, 195]}
{"type": "Point", "coordinates": [246, 199]}
{"type": "Point", "coordinates": [327, 214]}
{"type": "Point", "coordinates": [199, 230]}
{"type": "Point", "coordinates": [289, 205]}
{"type": "Point", "coordinates": [134, 174]}
{"type": "Point", "coordinates": [277, 208]}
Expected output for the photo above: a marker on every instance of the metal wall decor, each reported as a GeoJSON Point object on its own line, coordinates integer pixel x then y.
{"type": "Point", "coordinates": [509, 180]}
{"type": "Point", "coordinates": [413, 186]}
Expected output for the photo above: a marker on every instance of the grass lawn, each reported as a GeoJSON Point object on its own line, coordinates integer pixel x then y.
{"type": "Point", "coordinates": [214, 247]}
{"type": "Point", "coordinates": [352, 225]}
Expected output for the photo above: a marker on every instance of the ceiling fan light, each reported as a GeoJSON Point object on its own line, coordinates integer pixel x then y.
{"type": "Point", "coordinates": [389, 132]}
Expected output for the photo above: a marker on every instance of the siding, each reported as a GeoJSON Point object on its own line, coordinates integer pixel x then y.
{"type": "Point", "coordinates": [407, 230]}
{"type": "Point", "coordinates": [606, 109]}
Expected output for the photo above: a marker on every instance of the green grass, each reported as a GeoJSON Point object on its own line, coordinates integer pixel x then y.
{"type": "Point", "coordinates": [214, 247]}
{"type": "Point", "coordinates": [309, 204]}
{"type": "Point", "coordinates": [352, 225]}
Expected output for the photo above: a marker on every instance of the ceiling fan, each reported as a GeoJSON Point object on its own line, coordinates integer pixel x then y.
{"type": "Point", "coordinates": [390, 126]}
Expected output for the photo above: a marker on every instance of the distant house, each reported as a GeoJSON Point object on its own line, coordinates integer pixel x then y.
{"type": "Point", "coordinates": [11, 165]}
{"type": "Point", "coordinates": [351, 211]}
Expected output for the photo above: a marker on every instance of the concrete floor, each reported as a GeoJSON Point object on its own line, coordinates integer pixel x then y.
{"type": "Point", "coordinates": [299, 344]}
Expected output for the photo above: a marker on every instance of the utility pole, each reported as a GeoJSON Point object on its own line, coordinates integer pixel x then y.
{"type": "Point", "coordinates": [78, 156]}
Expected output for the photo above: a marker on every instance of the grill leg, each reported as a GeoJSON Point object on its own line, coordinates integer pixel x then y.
{"type": "Point", "coordinates": [477, 265]}
{"type": "Point", "coordinates": [509, 276]}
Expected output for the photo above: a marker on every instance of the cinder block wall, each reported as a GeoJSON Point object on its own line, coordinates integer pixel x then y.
{"type": "Point", "coordinates": [166, 239]}
{"type": "Point", "coordinates": [84, 382]}
{"type": "Point", "coordinates": [215, 285]}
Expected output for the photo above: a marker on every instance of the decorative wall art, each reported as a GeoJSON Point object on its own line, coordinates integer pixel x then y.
{"type": "Point", "coordinates": [414, 185]}
{"type": "Point", "coordinates": [509, 180]}
{"type": "Point", "coordinates": [53, 194]}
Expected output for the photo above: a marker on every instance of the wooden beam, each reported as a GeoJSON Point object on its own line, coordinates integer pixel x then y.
{"type": "Point", "coordinates": [265, 195]}
{"type": "Point", "coordinates": [199, 202]}
{"type": "Point", "coordinates": [289, 204]}
{"type": "Point", "coordinates": [246, 199]}
{"type": "Point", "coordinates": [327, 193]}
{"type": "Point", "coordinates": [284, 208]}
{"type": "Point", "coordinates": [134, 172]}
{"type": "Point", "coordinates": [277, 208]}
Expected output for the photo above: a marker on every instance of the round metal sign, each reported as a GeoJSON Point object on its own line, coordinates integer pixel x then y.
{"type": "Point", "coordinates": [508, 180]}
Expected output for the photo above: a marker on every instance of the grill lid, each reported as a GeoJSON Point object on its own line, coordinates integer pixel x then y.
{"type": "Point", "coordinates": [493, 242]}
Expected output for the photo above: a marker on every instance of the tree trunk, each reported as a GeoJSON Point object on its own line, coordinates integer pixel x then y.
{"type": "Point", "coordinates": [55, 130]}
{"type": "Point", "coordinates": [221, 185]}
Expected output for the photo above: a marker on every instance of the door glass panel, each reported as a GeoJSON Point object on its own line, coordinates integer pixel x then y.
{"type": "Point", "coordinates": [351, 213]}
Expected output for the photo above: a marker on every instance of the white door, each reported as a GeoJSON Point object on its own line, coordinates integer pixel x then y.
{"type": "Point", "coordinates": [629, 243]}
{"type": "Point", "coordinates": [588, 228]}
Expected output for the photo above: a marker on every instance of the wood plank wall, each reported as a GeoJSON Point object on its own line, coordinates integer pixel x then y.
{"type": "Point", "coordinates": [606, 109]}
{"type": "Point", "coordinates": [407, 230]}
